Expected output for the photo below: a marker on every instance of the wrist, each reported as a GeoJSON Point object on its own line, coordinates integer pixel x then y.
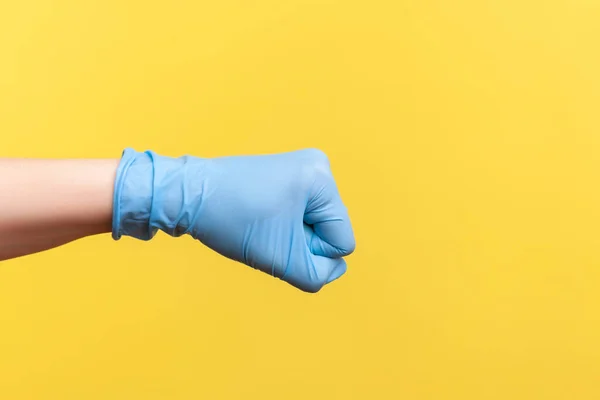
{"type": "Point", "coordinates": [132, 203]}
{"type": "Point", "coordinates": [149, 195]}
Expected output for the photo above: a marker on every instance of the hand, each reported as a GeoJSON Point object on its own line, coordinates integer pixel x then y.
{"type": "Point", "coordinates": [281, 213]}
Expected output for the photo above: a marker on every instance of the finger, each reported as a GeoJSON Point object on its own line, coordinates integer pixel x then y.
{"type": "Point", "coordinates": [310, 272]}
{"type": "Point", "coordinates": [328, 216]}
{"type": "Point", "coordinates": [327, 270]}
{"type": "Point", "coordinates": [338, 269]}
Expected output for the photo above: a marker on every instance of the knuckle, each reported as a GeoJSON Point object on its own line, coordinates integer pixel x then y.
{"type": "Point", "coordinates": [317, 163]}
{"type": "Point", "coordinates": [317, 156]}
{"type": "Point", "coordinates": [315, 168]}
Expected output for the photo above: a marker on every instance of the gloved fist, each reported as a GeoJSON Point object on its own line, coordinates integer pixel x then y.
{"type": "Point", "coordinates": [281, 213]}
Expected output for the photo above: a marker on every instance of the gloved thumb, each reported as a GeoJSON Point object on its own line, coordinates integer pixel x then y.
{"type": "Point", "coordinates": [326, 269]}
{"type": "Point", "coordinates": [325, 212]}
{"type": "Point", "coordinates": [332, 235]}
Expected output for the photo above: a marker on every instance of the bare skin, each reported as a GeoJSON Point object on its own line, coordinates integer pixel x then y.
{"type": "Point", "coordinates": [48, 203]}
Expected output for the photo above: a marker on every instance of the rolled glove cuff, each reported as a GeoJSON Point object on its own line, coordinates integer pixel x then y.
{"type": "Point", "coordinates": [133, 192]}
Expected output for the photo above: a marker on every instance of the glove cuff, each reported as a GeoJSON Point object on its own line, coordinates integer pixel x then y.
{"type": "Point", "coordinates": [133, 193]}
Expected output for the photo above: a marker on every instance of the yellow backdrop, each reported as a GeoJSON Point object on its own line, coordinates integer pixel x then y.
{"type": "Point", "coordinates": [465, 137]}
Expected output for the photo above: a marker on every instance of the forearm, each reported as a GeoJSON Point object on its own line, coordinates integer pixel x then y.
{"type": "Point", "coordinates": [279, 213]}
{"type": "Point", "coordinates": [47, 203]}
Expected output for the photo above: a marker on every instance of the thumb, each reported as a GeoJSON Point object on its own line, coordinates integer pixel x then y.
{"type": "Point", "coordinates": [328, 217]}
{"type": "Point", "coordinates": [316, 272]}
{"type": "Point", "coordinates": [329, 269]}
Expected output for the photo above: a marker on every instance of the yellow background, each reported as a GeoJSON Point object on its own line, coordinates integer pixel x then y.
{"type": "Point", "coordinates": [465, 137]}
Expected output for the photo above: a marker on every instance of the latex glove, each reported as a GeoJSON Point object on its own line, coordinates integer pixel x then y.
{"type": "Point", "coordinates": [280, 213]}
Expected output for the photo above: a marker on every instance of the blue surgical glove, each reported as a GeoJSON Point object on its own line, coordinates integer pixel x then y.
{"type": "Point", "coordinates": [280, 213]}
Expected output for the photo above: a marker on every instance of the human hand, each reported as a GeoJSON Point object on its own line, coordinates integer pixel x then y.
{"type": "Point", "coordinates": [280, 213]}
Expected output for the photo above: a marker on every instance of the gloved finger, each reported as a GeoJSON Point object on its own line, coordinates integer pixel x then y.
{"type": "Point", "coordinates": [337, 267]}
{"type": "Point", "coordinates": [329, 219]}
{"type": "Point", "coordinates": [310, 272]}
{"type": "Point", "coordinates": [327, 270]}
